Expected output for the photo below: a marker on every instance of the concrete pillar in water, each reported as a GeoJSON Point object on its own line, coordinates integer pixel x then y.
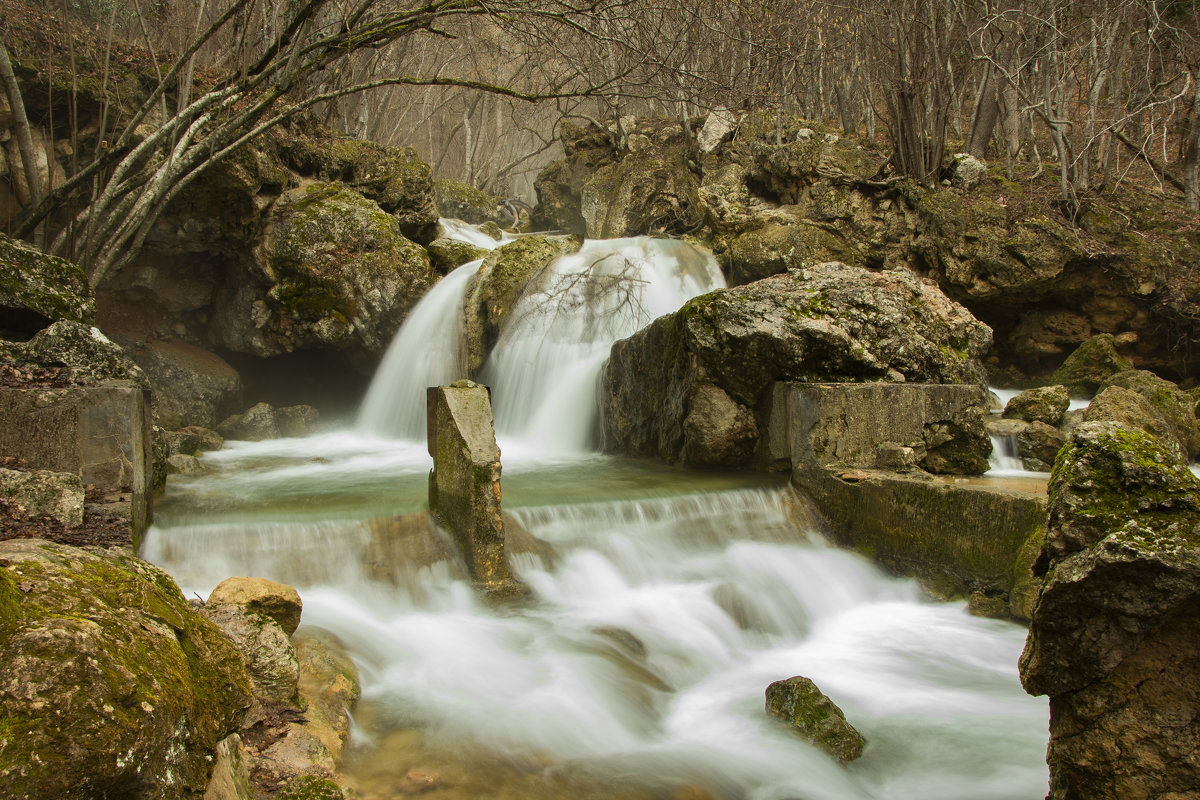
{"type": "Point", "coordinates": [464, 486]}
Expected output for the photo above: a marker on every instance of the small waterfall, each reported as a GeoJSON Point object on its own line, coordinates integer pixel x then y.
{"type": "Point", "coordinates": [1004, 459]}
{"type": "Point", "coordinates": [544, 370]}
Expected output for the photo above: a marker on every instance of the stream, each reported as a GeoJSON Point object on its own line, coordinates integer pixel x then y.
{"type": "Point", "coordinates": [664, 601]}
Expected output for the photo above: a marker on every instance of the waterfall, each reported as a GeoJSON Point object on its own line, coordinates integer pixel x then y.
{"type": "Point", "coordinates": [1004, 459]}
{"type": "Point", "coordinates": [544, 369]}
{"type": "Point", "coordinates": [664, 601]}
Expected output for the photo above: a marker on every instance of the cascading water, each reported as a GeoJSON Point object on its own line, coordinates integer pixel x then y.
{"type": "Point", "coordinates": [664, 602]}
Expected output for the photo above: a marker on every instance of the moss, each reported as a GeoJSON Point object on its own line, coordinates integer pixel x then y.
{"type": "Point", "coordinates": [47, 285]}
{"type": "Point", "coordinates": [310, 787]}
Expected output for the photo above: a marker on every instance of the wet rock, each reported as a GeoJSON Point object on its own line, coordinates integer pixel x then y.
{"type": "Point", "coordinates": [257, 424]}
{"type": "Point", "coordinates": [830, 322]}
{"type": "Point", "coordinates": [180, 464]}
{"type": "Point", "coordinates": [334, 272]}
{"type": "Point", "coordinates": [297, 421]}
{"type": "Point", "coordinates": [1090, 364]}
{"type": "Point", "coordinates": [311, 787]}
{"type": "Point", "coordinates": [43, 493]}
{"type": "Point", "coordinates": [459, 200]}
{"type": "Point", "coordinates": [1038, 444]}
{"type": "Point", "coordinates": [717, 430]}
{"type": "Point", "coordinates": [231, 772]}
{"type": "Point", "coordinates": [1044, 404]}
{"type": "Point", "coordinates": [269, 654]}
{"type": "Point", "coordinates": [799, 703]}
{"type": "Point", "coordinates": [1118, 404]}
{"type": "Point", "coordinates": [278, 601]}
{"type": "Point", "coordinates": [192, 440]}
{"type": "Point", "coordinates": [329, 683]}
{"type": "Point", "coordinates": [1175, 405]}
{"type": "Point", "coordinates": [464, 488]}
{"type": "Point", "coordinates": [37, 289]}
{"type": "Point", "coordinates": [505, 274]}
{"type": "Point", "coordinates": [113, 686]}
{"type": "Point", "coordinates": [1114, 637]}
{"type": "Point", "coordinates": [447, 255]}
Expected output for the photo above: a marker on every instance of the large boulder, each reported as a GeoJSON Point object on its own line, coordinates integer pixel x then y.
{"type": "Point", "coordinates": [192, 387]}
{"type": "Point", "coordinates": [460, 200]}
{"type": "Point", "coordinates": [269, 598]}
{"type": "Point", "coordinates": [112, 685]}
{"type": "Point", "coordinates": [258, 423]}
{"type": "Point", "coordinates": [37, 289]}
{"type": "Point", "coordinates": [269, 654]}
{"type": "Point", "coordinates": [1090, 364]}
{"type": "Point", "coordinates": [334, 272]}
{"type": "Point", "coordinates": [1175, 405]}
{"type": "Point", "coordinates": [776, 248]}
{"type": "Point", "coordinates": [653, 189]}
{"type": "Point", "coordinates": [505, 274]}
{"type": "Point", "coordinates": [807, 711]}
{"type": "Point", "coordinates": [1129, 408]}
{"type": "Point", "coordinates": [87, 356]}
{"type": "Point", "coordinates": [1115, 637]}
{"type": "Point", "coordinates": [828, 322]}
{"type": "Point", "coordinates": [1043, 404]}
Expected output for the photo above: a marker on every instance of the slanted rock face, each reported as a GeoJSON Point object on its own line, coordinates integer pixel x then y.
{"type": "Point", "coordinates": [1115, 637]}
{"type": "Point", "coordinates": [1090, 364]}
{"type": "Point", "coordinates": [1175, 405]}
{"type": "Point", "coordinates": [112, 685]}
{"type": "Point", "coordinates": [87, 354]}
{"type": "Point", "coordinates": [1118, 404]}
{"type": "Point", "coordinates": [191, 386]}
{"type": "Point", "coordinates": [334, 272]}
{"type": "Point", "coordinates": [37, 289]}
{"type": "Point", "coordinates": [829, 322]}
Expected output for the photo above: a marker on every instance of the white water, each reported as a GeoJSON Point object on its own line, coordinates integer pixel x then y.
{"type": "Point", "coordinates": [669, 601]}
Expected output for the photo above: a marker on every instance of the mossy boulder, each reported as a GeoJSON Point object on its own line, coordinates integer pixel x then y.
{"type": "Point", "coordinates": [113, 686]}
{"type": "Point", "coordinates": [1090, 364]}
{"type": "Point", "coordinates": [807, 711]}
{"type": "Point", "coordinates": [1129, 408]}
{"type": "Point", "coordinates": [37, 289]}
{"type": "Point", "coordinates": [652, 190]}
{"type": "Point", "coordinates": [1042, 404]}
{"type": "Point", "coordinates": [503, 276]}
{"type": "Point", "coordinates": [459, 200]}
{"type": "Point", "coordinates": [829, 322]}
{"type": "Point", "coordinates": [448, 254]}
{"type": "Point", "coordinates": [258, 423]}
{"type": "Point", "coordinates": [783, 171]}
{"type": "Point", "coordinates": [1114, 636]}
{"type": "Point", "coordinates": [87, 356]}
{"type": "Point", "coordinates": [1175, 405]}
{"type": "Point", "coordinates": [334, 272]}
{"type": "Point", "coordinates": [776, 248]}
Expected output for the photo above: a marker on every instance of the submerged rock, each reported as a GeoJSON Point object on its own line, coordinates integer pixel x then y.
{"type": "Point", "coordinates": [112, 685]}
{"type": "Point", "coordinates": [1115, 637]}
{"type": "Point", "coordinates": [829, 322]}
{"type": "Point", "coordinates": [799, 703]}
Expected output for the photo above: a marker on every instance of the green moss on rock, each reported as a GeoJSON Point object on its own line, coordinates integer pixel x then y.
{"type": "Point", "coordinates": [37, 289]}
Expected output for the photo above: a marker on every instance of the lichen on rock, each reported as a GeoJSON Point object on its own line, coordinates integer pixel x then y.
{"type": "Point", "coordinates": [37, 289]}
{"type": "Point", "coordinates": [805, 709]}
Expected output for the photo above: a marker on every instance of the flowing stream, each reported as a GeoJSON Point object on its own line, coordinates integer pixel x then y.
{"type": "Point", "coordinates": [663, 601]}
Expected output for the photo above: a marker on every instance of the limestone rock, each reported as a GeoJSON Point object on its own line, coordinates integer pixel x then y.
{"type": "Point", "coordinates": [43, 493]}
{"type": "Point", "coordinates": [785, 170]}
{"type": "Point", "coordinates": [192, 440]}
{"type": "Point", "coordinates": [89, 356]}
{"type": "Point", "coordinates": [718, 126]}
{"type": "Point", "coordinates": [653, 190]}
{"type": "Point", "coordinates": [829, 322]}
{"type": "Point", "coordinates": [1118, 404]}
{"type": "Point", "coordinates": [1044, 404]}
{"type": "Point", "coordinates": [1088, 366]}
{"type": "Point", "coordinates": [180, 464]}
{"type": "Point", "coordinates": [799, 703]}
{"type": "Point", "coordinates": [112, 685]}
{"type": "Point", "coordinates": [1175, 405]}
{"type": "Point", "coordinates": [257, 424]}
{"type": "Point", "coordinates": [967, 171]}
{"type": "Point", "coordinates": [776, 248]}
{"type": "Point", "coordinates": [191, 386]}
{"type": "Point", "coordinates": [503, 276]}
{"type": "Point", "coordinates": [334, 272]}
{"type": "Point", "coordinates": [231, 772]}
{"type": "Point", "coordinates": [37, 289]}
{"type": "Point", "coordinates": [311, 787]}
{"type": "Point", "coordinates": [276, 600]}
{"type": "Point", "coordinates": [269, 653]}
{"type": "Point", "coordinates": [330, 685]}
{"type": "Point", "coordinates": [1114, 637]}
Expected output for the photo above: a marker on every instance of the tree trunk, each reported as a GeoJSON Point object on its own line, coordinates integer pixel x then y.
{"type": "Point", "coordinates": [987, 111]}
{"type": "Point", "coordinates": [33, 178]}
{"type": "Point", "coordinates": [1191, 157]}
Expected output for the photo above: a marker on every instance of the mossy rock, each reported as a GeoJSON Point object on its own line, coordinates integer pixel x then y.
{"type": "Point", "coordinates": [310, 787]}
{"type": "Point", "coordinates": [88, 356]}
{"type": "Point", "coordinates": [1173, 403]}
{"type": "Point", "coordinates": [37, 289]}
{"type": "Point", "coordinates": [1041, 404]}
{"type": "Point", "coordinates": [649, 191]}
{"type": "Point", "coordinates": [463, 201]}
{"type": "Point", "coordinates": [503, 277]}
{"type": "Point", "coordinates": [1090, 364]}
{"type": "Point", "coordinates": [807, 711]}
{"type": "Point", "coordinates": [113, 686]}
{"type": "Point", "coordinates": [776, 248]}
{"type": "Point", "coordinates": [447, 255]}
{"type": "Point", "coordinates": [1131, 409]}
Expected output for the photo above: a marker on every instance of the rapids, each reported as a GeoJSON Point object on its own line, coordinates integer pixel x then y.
{"type": "Point", "coordinates": [663, 601]}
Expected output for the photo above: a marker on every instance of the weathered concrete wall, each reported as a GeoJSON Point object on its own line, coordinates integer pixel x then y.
{"type": "Point", "coordinates": [100, 433]}
{"type": "Point", "coordinates": [464, 487]}
{"type": "Point", "coordinates": [853, 448]}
